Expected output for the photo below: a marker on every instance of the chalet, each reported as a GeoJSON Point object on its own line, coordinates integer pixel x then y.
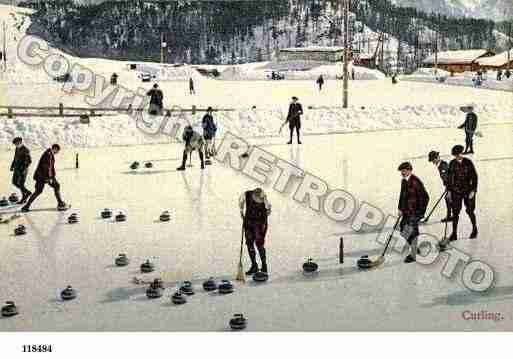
{"type": "Point", "coordinates": [366, 60]}
{"type": "Point", "coordinates": [314, 53]}
{"type": "Point", "coordinates": [497, 62]}
{"type": "Point", "coordinates": [458, 61]}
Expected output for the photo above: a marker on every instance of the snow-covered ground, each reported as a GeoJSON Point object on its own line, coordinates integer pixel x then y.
{"type": "Point", "coordinates": [357, 149]}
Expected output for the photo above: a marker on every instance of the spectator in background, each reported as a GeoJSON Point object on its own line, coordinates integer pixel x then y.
{"type": "Point", "coordinates": [156, 100]}
{"type": "Point", "coordinates": [320, 82]}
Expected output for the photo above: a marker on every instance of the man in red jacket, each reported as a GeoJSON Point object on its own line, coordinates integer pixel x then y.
{"type": "Point", "coordinates": [413, 202]}
{"type": "Point", "coordinates": [45, 174]}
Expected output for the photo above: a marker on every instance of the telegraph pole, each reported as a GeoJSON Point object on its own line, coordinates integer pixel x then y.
{"type": "Point", "coordinates": [4, 49]}
{"type": "Point", "coordinates": [510, 47]}
{"type": "Point", "coordinates": [436, 45]}
{"type": "Point", "coordinates": [346, 53]}
{"type": "Point", "coordinates": [163, 45]}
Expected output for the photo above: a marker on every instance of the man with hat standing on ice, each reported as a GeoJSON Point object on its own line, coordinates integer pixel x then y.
{"type": "Point", "coordinates": [294, 119]}
{"type": "Point", "coordinates": [470, 126]}
{"type": "Point", "coordinates": [443, 169]}
{"type": "Point", "coordinates": [462, 186]}
{"type": "Point", "coordinates": [209, 132]}
{"type": "Point", "coordinates": [413, 201]}
{"type": "Point", "coordinates": [254, 210]}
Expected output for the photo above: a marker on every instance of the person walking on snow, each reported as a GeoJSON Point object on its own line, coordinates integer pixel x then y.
{"type": "Point", "coordinates": [193, 141]}
{"type": "Point", "coordinates": [462, 186]}
{"type": "Point", "coordinates": [156, 100]}
{"type": "Point", "coordinates": [209, 132]}
{"type": "Point", "coordinates": [413, 202]}
{"type": "Point", "coordinates": [470, 126]}
{"type": "Point", "coordinates": [19, 168]}
{"type": "Point", "coordinates": [443, 169]}
{"type": "Point", "coordinates": [191, 87]}
{"type": "Point", "coordinates": [320, 82]}
{"type": "Point", "coordinates": [294, 119]}
{"type": "Point", "coordinates": [45, 174]}
{"type": "Point", "coordinates": [254, 210]}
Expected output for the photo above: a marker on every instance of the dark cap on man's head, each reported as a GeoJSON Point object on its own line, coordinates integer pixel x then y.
{"type": "Point", "coordinates": [405, 166]}
{"type": "Point", "coordinates": [17, 140]}
{"type": "Point", "coordinates": [457, 150]}
{"type": "Point", "coordinates": [155, 86]}
{"type": "Point", "coordinates": [56, 147]}
{"type": "Point", "coordinates": [433, 155]}
{"type": "Point", "coordinates": [210, 109]}
{"type": "Point", "coordinates": [294, 98]}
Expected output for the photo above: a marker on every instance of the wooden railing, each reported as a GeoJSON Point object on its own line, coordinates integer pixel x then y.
{"type": "Point", "coordinates": [90, 111]}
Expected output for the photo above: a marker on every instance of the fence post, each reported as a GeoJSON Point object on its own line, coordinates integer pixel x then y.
{"type": "Point", "coordinates": [9, 113]}
{"type": "Point", "coordinates": [193, 109]}
{"type": "Point", "coordinates": [61, 109]}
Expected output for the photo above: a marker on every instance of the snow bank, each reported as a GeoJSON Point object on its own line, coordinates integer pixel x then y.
{"type": "Point", "coordinates": [465, 79]}
{"type": "Point", "coordinates": [296, 70]}
{"type": "Point", "coordinates": [125, 130]}
{"type": "Point", "coordinates": [429, 71]}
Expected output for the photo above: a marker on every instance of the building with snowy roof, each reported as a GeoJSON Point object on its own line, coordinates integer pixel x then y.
{"type": "Point", "coordinates": [313, 53]}
{"type": "Point", "coordinates": [458, 61]}
{"type": "Point", "coordinates": [497, 62]}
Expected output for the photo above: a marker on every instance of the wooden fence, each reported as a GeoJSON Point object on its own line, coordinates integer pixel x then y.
{"type": "Point", "coordinates": [89, 111]}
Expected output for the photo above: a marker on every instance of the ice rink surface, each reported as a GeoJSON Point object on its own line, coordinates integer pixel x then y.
{"type": "Point", "coordinates": [203, 239]}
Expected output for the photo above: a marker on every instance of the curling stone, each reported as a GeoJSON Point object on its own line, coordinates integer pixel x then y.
{"type": "Point", "coordinates": [157, 283]}
{"type": "Point", "coordinates": [20, 230]}
{"type": "Point", "coordinates": [187, 288]}
{"type": "Point", "coordinates": [165, 216]}
{"type": "Point", "coordinates": [209, 285]}
{"type": "Point", "coordinates": [310, 267]}
{"type": "Point", "coordinates": [179, 298]}
{"type": "Point", "coordinates": [120, 217]}
{"type": "Point", "coordinates": [73, 218]}
{"type": "Point", "coordinates": [225, 287]}
{"type": "Point", "coordinates": [154, 292]}
{"type": "Point", "coordinates": [4, 202]}
{"type": "Point", "coordinates": [364, 262]}
{"type": "Point", "coordinates": [106, 213]}
{"type": "Point", "coordinates": [260, 277]}
{"type": "Point", "coordinates": [69, 293]}
{"type": "Point", "coordinates": [122, 260]}
{"type": "Point", "coordinates": [238, 322]}
{"type": "Point", "coordinates": [134, 166]}
{"type": "Point", "coordinates": [9, 309]}
{"type": "Point", "coordinates": [148, 165]}
{"type": "Point", "coordinates": [147, 267]}
{"type": "Point", "coordinates": [13, 198]}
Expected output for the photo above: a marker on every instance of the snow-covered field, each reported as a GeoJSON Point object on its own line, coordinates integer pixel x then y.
{"type": "Point", "coordinates": [356, 149]}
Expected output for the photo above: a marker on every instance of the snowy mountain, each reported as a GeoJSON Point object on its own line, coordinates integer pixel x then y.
{"type": "Point", "coordinates": [491, 9]}
{"type": "Point", "coordinates": [235, 31]}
